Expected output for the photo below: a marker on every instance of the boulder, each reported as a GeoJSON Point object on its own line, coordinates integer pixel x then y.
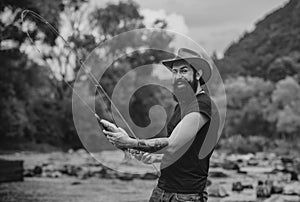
{"type": "Point", "coordinates": [263, 190]}
{"type": "Point", "coordinates": [38, 170]}
{"type": "Point", "coordinates": [55, 174]}
{"type": "Point", "coordinates": [282, 198]}
{"type": "Point", "coordinates": [125, 176]}
{"type": "Point", "coordinates": [149, 176]}
{"type": "Point", "coordinates": [242, 172]}
{"type": "Point", "coordinates": [107, 173]}
{"type": "Point", "coordinates": [276, 189]}
{"type": "Point", "coordinates": [237, 186]}
{"type": "Point", "coordinates": [247, 186]}
{"type": "Point", "coordinates": [252, 162]}
{"type": "Point", "coordinates": [208, 183]}
{"type": "Point", "coordinates": [71, 170]}
{"type": "Point", "coordinates": [292, 189]}
{"type": "Point", "coordinates": [217, 174]}
{"type": "Point", "coordinates": [217, 190]}
{"type": "Point", "coordinates": [286, 159]}
{"type": "Point", "coordinates": [28, 173]}
{"type": "Point", "coordinates": [76, 183]}
{"type": "Point", "coordinates": [230, 165]}
{"type": "Point", "coordinates": [84, 173]}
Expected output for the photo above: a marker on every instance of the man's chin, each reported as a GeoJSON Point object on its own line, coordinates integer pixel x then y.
{"type": "Point", "coordinates": [179, 90]}
{"type": "Point", "coordinates": [183, 93]}
{"type": "Point", "coordinates": [182, 88]}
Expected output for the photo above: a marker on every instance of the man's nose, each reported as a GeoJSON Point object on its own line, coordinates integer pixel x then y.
{"type": "Point", "coordinates": [178, 75]}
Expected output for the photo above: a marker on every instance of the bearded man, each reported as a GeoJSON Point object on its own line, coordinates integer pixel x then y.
{"type": "Point", "coordinates": [183, 173]}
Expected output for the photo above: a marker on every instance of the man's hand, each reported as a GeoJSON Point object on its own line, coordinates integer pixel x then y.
{"type": "Point", "coordinates": [136, 153]}
{"type": "Point", "coordinates": [108, 126]}
{"type": "Point", "coordinates": [146, 157]}
{"type": "Point", "coordinates": [116, 135]}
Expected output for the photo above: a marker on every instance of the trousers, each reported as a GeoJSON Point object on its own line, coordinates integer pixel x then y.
{"type": "Point", "coordinates": [159, 195]}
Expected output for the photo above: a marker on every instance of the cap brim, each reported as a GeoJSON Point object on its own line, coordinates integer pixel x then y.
{"type": "Point", "coordinates": [197, 63]}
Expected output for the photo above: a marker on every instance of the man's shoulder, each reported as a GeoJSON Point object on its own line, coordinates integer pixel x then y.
{"type": "Point", "coordinates": [205, 101]}
{"type": "Point", "coordinates": [204, 98]}
{"type": "Point", "coordinates": [203, 104]}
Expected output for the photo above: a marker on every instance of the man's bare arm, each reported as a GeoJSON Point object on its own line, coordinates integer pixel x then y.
{"type": "Point", "coordinates": [184, 132]}
{"type": "Point", "coordinates": [150, 145]}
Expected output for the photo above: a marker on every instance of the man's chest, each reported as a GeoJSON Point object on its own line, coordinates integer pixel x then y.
{"type": "Point", "coordinates": [174, 120]}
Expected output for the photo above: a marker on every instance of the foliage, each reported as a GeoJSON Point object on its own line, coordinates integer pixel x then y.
{"type": "Point", "coordinates": [285, 107]}
{"type": "Point", "coordinates": [245, 145]}
{"type": "Point", "coordinates": [271, 51]}
{"type": "Point", "coordinates": [247, 101]}
{"type": "Point", "coordinates": [262, 75]}
{"type": "Point", "coordinates": [29, 108]}
{"type": "Point", "coordinates": [124, 16]}
{"type": "Point", "coordinates": [261, 72]}
{"type": "Point", "coordinates": [35, 99]}
{"type": "Point", "coordinates": [258, 107]}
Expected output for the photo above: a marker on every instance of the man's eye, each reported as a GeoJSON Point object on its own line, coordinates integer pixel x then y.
{"type": "Point", "coordinates": [184, 71]}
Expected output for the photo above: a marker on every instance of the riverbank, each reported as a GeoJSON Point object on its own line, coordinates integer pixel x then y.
{"type": "Point", "coordinates": [77, 176]}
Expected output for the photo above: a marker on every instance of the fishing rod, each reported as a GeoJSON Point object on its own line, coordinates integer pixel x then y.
{"type": "Point", "coordinates": [80, 61]}
{"type": "Point", "coordinates": [90, 75]}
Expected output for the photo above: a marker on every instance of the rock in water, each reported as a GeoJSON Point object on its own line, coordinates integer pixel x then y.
{"type": "Point", "coordinates": [282, 198]}
{"type": "Point", "coordinates": [149, 176]}
{"type": "Point", "coordinates": [292, 189]}
{"type": "Point", "coordinates": [230, 165]}
{"type": "Point", "coordinates": [38, 170]}
{"type": "Point", "coordinates": [263, 190]}
{"type": "Point", "coordinates": [125, 176]}
{"type": "Point", "coordinates": [217, 174]}
{"type": "Point", "coordinates": [237, 186]}
{"type": "Point", "coordinates": [217, 190]}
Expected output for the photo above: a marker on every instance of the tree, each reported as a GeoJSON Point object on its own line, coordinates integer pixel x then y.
{"type": "Point", "coordinates": [285, 111]}
{"type": "Point", "coordinates": [21, 79]}
{"type": "Point", "coordinates": [284, 66]}
{"type": "Point", "coordinates": [270, 51]}
{"type": "Point", "coordinates": [36, 98]}
{"type": "Point", "coordinates": [248, 99]}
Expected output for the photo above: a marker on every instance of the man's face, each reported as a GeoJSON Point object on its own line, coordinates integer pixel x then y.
{"type": "Point", "coordinates": [183, 75]}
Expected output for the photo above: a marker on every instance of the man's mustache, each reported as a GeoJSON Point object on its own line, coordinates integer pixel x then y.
{"type": "Point", "coordinates": [180, 81]}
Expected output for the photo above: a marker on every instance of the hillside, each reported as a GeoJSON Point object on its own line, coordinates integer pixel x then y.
{"type": "Point", "coordinates": [271, 50]}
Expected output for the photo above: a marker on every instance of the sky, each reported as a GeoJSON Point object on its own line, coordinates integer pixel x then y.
{"type": "Point", "coordinates": [214, 24]}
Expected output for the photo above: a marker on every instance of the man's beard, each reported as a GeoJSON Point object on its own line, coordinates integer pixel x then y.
{"type": "Point", "coordinates": [184, 90]}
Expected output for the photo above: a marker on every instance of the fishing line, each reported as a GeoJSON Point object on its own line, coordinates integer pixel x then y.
{"type": "Point", "coordinates": [90, 75]}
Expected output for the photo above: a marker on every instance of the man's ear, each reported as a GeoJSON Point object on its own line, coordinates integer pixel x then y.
{"type": "Point", "coordinates": [199, 74]}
